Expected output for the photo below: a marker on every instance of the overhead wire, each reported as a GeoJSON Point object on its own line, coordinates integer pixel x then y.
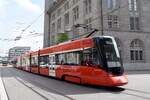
{"type": "Point", "coordinates": [25, 37]}
{"type": "Point", "coordinates": [31, 23]}
{"type": "Point", "coordinates": [35, 20]}
{"type": "Point", "coordinates": [98, 18]}
{"type": "Point", "coordinates": [20, 35]}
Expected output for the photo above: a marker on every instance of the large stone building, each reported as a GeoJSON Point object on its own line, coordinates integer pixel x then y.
{"type": "Point", "coordinates": [17, 51]}
{"type": "Point", "coordinates": [127, 20]}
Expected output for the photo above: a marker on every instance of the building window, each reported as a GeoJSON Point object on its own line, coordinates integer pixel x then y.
{"type": "Point", "coordinates": [66, 6]}
{"type": "Point", "coordinates": [113, 21]}
{"type": "Point", "coordinates": [59, 24]}
{"type": "Point", "coordinates": [133, 5]}
{"type": "Point", "coordinates": [111, 4]}
{"type": "Point", "coordinates": [88, 6]}
{"type": "Point", "coordinates": [88, 22]}
{"type": "Point", "coordinates": [53, 16]}
{"type": "Point", "coordinates": [137, 51]}
{"type": "Point", "coordinates": [59, 12]}
{"type": "Point", "coordinates": [134, 23]}
{"type": "Point", "coordinates": [75, 13]}
{"type": "Point", "coordinates": [74, 1]}
{"type": "Point", "coordinates": [66, 18]}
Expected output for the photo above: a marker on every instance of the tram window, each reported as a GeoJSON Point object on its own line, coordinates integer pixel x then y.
{"type": "Point", "coordinates": [52, 60]}
{"type": "Point", "coordinates": [71, 58]}
{"type": "Point", "coordinates": [28, 62]}
{"type": "Point", "coordinates": [34, 61]}
{"type": "Point", "coordinates": [44, 60]}
{"type": "Point", "coordinates": [24, 62]}
{"type": "Point", "coordinates": [18, 62]}
{"type": "Point", "coordinates": [90, 57]}
{"type": "Point", "coordinates": [60, 59]}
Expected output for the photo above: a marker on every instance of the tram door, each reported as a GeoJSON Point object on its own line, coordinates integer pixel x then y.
{"type": "Point", "coordinates": [52, 66]}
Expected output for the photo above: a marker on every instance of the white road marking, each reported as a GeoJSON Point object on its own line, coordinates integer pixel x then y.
{"type": "Point", "coordinates": [3, 95]}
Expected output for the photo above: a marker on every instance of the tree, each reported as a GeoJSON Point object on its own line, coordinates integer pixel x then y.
{"type": "Point", "coordinates": [62, 37]}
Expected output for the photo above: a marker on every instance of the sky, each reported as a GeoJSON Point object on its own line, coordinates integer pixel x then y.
{"type": "Point", "coordinates": [16, 16]}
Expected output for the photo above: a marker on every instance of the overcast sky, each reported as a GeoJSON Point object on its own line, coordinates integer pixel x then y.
{"type": "Point", "coordinates": [15, 16]}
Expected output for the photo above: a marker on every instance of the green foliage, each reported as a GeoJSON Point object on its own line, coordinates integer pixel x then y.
{"type": "Point", "coordinates": [62, 37]}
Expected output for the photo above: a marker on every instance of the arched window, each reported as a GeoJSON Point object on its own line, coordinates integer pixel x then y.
{"type": "Point", "coordinates": [136, 50]}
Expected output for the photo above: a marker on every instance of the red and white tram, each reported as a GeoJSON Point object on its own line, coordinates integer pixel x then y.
{"type": "Point", "coordinates": [93, 60]}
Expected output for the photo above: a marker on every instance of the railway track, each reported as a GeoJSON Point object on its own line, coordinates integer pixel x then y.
{"type": "Point", "coordinates": [26, 78]}
{"type": "Point", "coordinates": [32, 88]}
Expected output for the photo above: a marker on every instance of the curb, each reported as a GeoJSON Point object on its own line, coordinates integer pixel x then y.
{"type": "Point", "coordinates": [3, 95]}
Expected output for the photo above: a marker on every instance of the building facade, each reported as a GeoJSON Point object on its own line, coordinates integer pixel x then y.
{"type": "Point", "coordinates": [4, 58]}
{"type": "Point", "coordinates": [127, 20]}
{"type": "Point", "coordinates": [48, 4]}
{"type": "Point", "coordinates": [17, 51]}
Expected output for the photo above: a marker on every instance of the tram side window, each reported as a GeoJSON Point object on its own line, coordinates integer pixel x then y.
{"type": "Point", "coordinates": [52, 60]}
{"type": "Point", "coordinates": [19, 62]}
{"type": "Point", "coordinates": [60, 59]}
{"type": "Point", "coordinates": [34, 61]}
{"type": "Point", "coordinates": [71, 58]}
{"type": "Point", "coordinates": [28, 62]}
{"type": "Point", "coordinates": [23, 62]}
{"type": "Point", "coordinates": [90, 57]}
{"type": "Point", "coordinates": [44, 60]}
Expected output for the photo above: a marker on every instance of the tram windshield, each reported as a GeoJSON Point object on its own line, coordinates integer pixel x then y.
{"type": "Point", "coordinates": [111, 53]}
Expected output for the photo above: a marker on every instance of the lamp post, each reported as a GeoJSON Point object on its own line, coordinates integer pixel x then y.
{"type": "Point", "coordinates": [101, 11]}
